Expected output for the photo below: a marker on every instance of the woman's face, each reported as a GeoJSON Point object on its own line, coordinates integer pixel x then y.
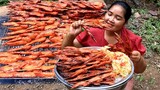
{"type": "Point", "coordinates": [114, 18]}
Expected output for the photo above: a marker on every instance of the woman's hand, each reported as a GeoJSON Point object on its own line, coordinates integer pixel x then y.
{"type": "Point", "coordinates": [138, 61]}
{"type": "Point", "coordinates": [76, 27]}
{"type": "Point", "coordinates": [135, 56]}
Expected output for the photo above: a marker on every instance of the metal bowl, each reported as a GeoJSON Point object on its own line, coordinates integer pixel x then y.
{"type": "Point", "coordinates": [119, 84]}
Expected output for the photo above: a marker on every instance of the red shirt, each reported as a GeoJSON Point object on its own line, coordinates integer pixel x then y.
{"type": "Point", "coordinates": [86, 40]}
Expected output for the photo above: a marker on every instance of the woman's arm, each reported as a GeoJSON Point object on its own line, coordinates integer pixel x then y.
{"type": "Point", "coordinates": [138, 61]}
{"type": "Point", "coordinates": [140, 65]}
{"type": "Point", "coordinates": [70, 40]}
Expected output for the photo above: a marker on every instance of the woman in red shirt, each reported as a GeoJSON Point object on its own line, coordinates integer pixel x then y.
{"type": "Point", "coordinates": [115, 19]}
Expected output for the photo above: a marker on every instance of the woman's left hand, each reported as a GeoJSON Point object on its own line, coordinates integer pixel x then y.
{"type": "Point", "coordinates": [135, 56]}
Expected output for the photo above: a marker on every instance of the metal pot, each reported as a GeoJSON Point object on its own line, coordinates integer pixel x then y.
{"type": "Point", "coordinates": [119, 84]}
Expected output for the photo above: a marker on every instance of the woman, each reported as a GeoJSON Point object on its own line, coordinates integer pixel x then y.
{"type": "Point", "coordinates": [115, 19]}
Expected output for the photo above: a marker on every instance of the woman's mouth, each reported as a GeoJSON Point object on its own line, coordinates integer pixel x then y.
{"type": "Point", "coordinates": [109, 23]}
{"type": "Point", "coordinates": [109, 26]}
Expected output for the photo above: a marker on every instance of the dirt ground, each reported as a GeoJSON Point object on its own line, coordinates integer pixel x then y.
{"type": "Point", "coordinates": [149, 80]}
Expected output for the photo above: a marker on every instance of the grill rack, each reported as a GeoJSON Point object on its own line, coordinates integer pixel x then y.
{"type": "Point", "coordinates": [3, 31]}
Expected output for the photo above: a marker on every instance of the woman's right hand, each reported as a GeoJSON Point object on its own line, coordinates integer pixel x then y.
{"type": "Point", "coordinates": [76, 27]}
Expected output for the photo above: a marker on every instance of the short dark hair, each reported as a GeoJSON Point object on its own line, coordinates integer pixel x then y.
{"type": "Point", "coordinates": [128, 11]}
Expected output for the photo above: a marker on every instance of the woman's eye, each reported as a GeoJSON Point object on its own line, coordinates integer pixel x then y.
{"type": "Point", "coordinates": [109, 13]}
{"type": "Point", "coordinates": [118, 18]}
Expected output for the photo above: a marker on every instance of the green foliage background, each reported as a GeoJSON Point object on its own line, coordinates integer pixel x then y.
{"type": "Point", "coordinates": [148, 27]}
{"type": "Point", "coordinates": [3, 2]}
